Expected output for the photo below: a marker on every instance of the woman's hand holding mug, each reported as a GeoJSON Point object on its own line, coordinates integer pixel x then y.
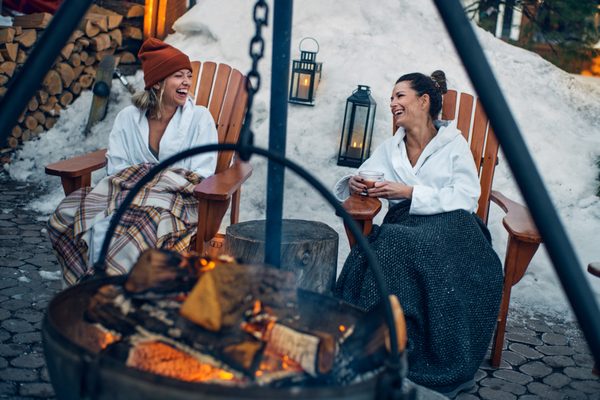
{"type": "Point", "coordinates": [364, 181]}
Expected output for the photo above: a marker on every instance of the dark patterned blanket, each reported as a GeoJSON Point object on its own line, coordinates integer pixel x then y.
{"type": "Point", "coordinates": [449, 281]}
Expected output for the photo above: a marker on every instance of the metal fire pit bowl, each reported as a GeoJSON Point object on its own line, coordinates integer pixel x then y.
{"type": "Point", "coordinates": [72, 345]}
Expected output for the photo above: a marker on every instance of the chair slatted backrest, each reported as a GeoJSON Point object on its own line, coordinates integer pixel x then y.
{"type": "Point", "coordinates": [222, 90]}
{"type": "Point", "coordinates": [474, 125]}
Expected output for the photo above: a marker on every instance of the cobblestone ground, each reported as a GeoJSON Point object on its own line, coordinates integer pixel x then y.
{"type": "Point", "coordinates": [544, 359]}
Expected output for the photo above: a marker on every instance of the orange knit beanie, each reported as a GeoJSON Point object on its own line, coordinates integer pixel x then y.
{"type": "Point", "coordinates": [160, 60]}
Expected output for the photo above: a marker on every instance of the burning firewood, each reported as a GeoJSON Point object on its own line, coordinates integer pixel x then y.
{"type": "Point", "coordinates": [162, 271]}
{"type": "Point", "coordinates": [245, 353]}
{"type": "Point", "coordinates": [246, 319]}
{"type": "Point", "coordinates": [224, 293]}
{"type": "Point", "coordinates": [202, 305]}
{"type": "Point", "coordinates": [159, 319]}
{"type": "Point", "coordinates": [314, 351]}
{"type": "Point", "coordinates": [103, 309]}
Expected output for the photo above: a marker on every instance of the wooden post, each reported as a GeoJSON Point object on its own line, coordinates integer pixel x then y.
{"type": "Point", "coordinates": [150, 17]}
{"type": "Point", "coordinates": [160, 15]}
{"type": "Point", "coordinates": [309, 248]}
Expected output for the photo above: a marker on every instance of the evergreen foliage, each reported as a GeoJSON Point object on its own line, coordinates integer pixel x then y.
{"type": "Point", "coordinates": [568, 28]}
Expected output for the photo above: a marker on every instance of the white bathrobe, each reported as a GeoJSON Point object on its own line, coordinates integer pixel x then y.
{"type": "Point", "coordinates": [190, 126]}
{"type": "Point", "coordinates": [444, 178]}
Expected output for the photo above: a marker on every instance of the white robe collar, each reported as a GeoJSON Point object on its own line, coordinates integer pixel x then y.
{"type": "Point", "coordinates": [175, 132]}
{"type": "Point", "coordinates": [447, 131]}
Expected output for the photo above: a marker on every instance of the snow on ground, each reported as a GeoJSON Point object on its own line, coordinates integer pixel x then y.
{"type": "Point", "coordinates": [558, 114]}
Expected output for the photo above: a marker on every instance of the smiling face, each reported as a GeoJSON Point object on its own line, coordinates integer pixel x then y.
{"type": "Point", "coordinates": [176, 88]}
{"type": "Point", "coordinates": [408, 108]}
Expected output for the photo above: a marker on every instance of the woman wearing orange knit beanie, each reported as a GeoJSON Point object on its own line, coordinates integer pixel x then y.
{"type": "Point", "coordinates": [162, 121]}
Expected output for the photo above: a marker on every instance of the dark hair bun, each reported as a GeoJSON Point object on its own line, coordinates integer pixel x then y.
{"type": "Point", "coordinates": [439, 78]}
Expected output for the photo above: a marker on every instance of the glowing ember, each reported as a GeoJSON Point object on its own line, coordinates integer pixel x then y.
{"type": "Point", "coordinates": [274, 362]}
{"type": "Point", "coordinates": [206, 265]}
{"type": "Point", "coordinates": [162, 359]}
{"type": "Point", "coordinates": [257, 307]}
{"type": "Point", "coordinates": [107, 338]}
{"type": "Point", "coordinates": [260, 321]}
{"type": "Point", "coordinates": [342, 328]}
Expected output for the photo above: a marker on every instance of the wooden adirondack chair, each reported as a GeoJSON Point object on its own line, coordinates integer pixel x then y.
{"type": "Point", "coordinates": [222, 90]}
{"type": "Point", "coordinates": [523, 238]}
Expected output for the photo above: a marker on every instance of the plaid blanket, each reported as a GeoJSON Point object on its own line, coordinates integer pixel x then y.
{"type": "Point", "coordinates": [448, 279]}
{"type": "Point", "coordinates": [163, 214]}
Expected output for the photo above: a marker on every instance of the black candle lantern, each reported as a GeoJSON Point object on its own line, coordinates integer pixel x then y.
{"type": "Point", "coordinates": [357, 131]}
{"type": "Point", "coordinates": [306, 74]}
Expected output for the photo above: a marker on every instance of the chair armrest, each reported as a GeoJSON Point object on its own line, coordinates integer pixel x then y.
{"type": "Point", "coordinates": [78, 166]}
{"type": "Point", "coordinates": [223, 185]}
{"type": "Point", "coordinates": [594, 269]}
{"type": "Point", "coordinates": [362, 208]}
{"type": "Point", "coordinates": [517, 221]}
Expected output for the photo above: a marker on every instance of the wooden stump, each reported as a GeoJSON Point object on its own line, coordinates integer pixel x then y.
{"type": "Point", "coordinates": [309, 248]}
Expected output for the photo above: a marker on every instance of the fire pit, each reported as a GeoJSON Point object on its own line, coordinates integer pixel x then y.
{"type": "Point", "coordinates": [78, 368]}
{"type": "Point", "coordinates": [81, 363]}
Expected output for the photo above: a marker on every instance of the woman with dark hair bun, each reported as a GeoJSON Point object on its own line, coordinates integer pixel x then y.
{"type": "Point", "coordinates": [435, 253]}
{"type": "Point", "coordinates": [427, 160]}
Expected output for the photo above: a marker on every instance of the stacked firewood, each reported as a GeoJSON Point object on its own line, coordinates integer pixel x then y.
{"type": "Point", "coordinates": [101, 32]}
{"type": "Point", "coordinates": [132, 26]}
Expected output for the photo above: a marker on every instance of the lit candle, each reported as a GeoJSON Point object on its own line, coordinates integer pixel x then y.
{"type": "Point", "coordinates": [303, 87]}
{"type": "Point", "coordinates": [355, 150]}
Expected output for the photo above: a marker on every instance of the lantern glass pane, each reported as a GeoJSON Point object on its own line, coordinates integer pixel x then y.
{"type": "Point", "coordinates": [294, 90]}
{"type": "Point", "coordinates": [355, 133]}
{"type": "Point", "coordinates": [318, 75]}
{"type": "Point", "coordinates": [346, 131]}
{"type": "Point", "coordinates": [359, 125]}
{"type": "Point", "coordinates": [369, 130]}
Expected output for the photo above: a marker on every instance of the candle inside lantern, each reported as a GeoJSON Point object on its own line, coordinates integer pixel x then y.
{"type": "Point", "coordinates": [355, 150]}
{"type": "Point", "coordinates": [303, 86]}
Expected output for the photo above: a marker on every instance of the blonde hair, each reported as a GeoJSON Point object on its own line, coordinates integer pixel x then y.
{"type": "Point", "coordinates": [150, 101]}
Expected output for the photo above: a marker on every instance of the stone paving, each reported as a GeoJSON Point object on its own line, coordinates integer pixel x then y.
{"type": "Point", "coordinates": [544, 359]}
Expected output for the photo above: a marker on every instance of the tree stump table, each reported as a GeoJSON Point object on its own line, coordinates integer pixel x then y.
{"type": "Point", "coordinates": [308, 248]}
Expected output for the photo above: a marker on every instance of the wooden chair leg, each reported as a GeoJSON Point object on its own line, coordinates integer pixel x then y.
{"type": "Point", "coordinates": [366, 226]}
{"type": "Point", "coordinates": [210, 214]}
{"type": "Point", "coordinates": [518, 257]}
{"type": "Point", "coordinates": [202, 222]}
{"type": "Point", "coordinates": [235, 207]}
{"type": "Point", "coordinates": [498, 341]}
{"type": "Point", "coordinates": [71, 184]}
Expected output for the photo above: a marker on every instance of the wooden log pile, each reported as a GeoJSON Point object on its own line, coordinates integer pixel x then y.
{"type": "Point", "coordinates": [131, 27]}
{"type": "Point", "coordinates": [112, 29]}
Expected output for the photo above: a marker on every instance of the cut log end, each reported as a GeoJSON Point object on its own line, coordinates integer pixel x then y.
{"type": "Point", "coordinates": [27, 38]}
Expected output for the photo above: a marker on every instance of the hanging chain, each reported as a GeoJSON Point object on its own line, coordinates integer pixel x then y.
{"type": "Point", "coordinates": [257, 50]}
